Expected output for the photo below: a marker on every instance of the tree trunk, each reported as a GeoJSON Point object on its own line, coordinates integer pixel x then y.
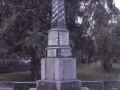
{"type": "Point", "coordinates": [32, 70]}
{"type": "Point", "coordinates": [83, 61]}
{"type": "Point", "coordinates": [107, 65]}
{"type": "Point", "coordinates": [35, 70]}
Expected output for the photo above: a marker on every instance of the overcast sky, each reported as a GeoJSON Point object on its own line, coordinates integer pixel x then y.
{"type": "Point", "coordinates": [117, 3]}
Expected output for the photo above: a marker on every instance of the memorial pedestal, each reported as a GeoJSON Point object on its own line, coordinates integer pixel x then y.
{"type": "Point", "coordinates": [84, 88]}
{"type": "Point", "coordinates": [58, 74]}
{"type": "Point", "coordinates": [32, 89]}
{"type": "Point", "coordinates": [59, 85]}
{"type": "Point", "coordinates": [58, 69]}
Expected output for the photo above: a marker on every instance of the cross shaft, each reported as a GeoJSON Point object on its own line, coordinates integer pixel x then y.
{"type": "Point", "coordinates": [58, 14]}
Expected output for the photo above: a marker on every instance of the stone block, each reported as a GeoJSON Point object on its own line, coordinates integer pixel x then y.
{"type": "Point", "coordinates": [32, 89]}
{"type": "Point", "coordinates": [6, 89]}
{"type": "Point", "coordinates": [59, 85]}
{"type": "Point", "coordinates": [6, 84]}
{"type": "Point", "coordinates": [58, 69]}
{"type": "Point", "coordinates": [110, 85]}
{"type": "Point", "coordinates": [84, 88]}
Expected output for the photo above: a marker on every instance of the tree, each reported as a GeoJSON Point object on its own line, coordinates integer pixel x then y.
{"type": "Point", "coordinates": [94, 17]}
{"type": "Point", "coordinates": [24, 27]}
{"type": "Point", "coordinates": [106, 44]}
{"type": "Point", "coordinates": [24, 30]}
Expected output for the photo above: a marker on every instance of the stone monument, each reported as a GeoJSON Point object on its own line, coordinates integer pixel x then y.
{"type": "Point", "coordinates": [58, 68]}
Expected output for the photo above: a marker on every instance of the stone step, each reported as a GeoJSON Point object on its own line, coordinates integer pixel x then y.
{"type": "Point", "coordinates": [6, 89]}
{"type": "Point", "coordinates": [84, 88]}
{"type": "Point", "coordinates": [32, 89]}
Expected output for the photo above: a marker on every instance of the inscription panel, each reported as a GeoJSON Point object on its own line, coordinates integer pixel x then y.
{"type": "Point", "coordinates": [65, 52]}
{"type": "Point", "coordinates": [64, 38]}
{"type": "Point", "coordinates": [51, 53]}
{"type": "Point", "coordinates": [53, 38]}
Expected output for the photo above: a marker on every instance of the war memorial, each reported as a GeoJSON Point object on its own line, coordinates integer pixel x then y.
{"type": "Point", "coordinates": [58, 68]}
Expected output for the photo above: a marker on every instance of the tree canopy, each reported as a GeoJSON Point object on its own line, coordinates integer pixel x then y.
{"type": "Point", "coordinates": [24, 25]}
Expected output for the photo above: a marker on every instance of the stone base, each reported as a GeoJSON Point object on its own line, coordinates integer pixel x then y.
{"type": "Point", "coordinates": [6, 89]}
{"type": "Point", "coordinates": [59, 85]}
{"type": "Point", "coordinates": [6, 85]}
{"type": "Point", "coordinates": [84, 88]}
{"type": "Point", "coordinates": [32, 89]}
{"type": "Point", "coordinates": [58, 69]}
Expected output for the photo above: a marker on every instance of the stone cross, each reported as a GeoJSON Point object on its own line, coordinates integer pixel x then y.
{"type": "Point", "coordinates": [58, 68]}
{"type": "Point", "coordinates": [58, 14]}
{"type": "Point", "coordinates": [58, 35]}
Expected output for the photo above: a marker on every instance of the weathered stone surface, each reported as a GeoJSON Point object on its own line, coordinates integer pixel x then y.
{"type": "Point", "coordinates": [43, 68]}
{"type": "Point", "coordinates": [53, 38]}
{"type": "Point", "coordinates": [32, 89]}
{"type": "Point", "coordinates": [84, 88]}
{"type": "Point", "coordinates": [58, 14]}
{"type": "Point", "coordinates": [70, 85]}
{"type": "Point", "coordinates": [6, 85]}
{"type": "Point", "coordinates": [59, 85]}
{"type": "Point", "coordinates": [51, 52]}
{"type": "Point", "coordinates": [65, 52]}
{"type": "Point", "coordinates": [64, 38]}
{"type": "Point", "coordinates": [110, 85]}
{"type": "Point", "coordinates": [50, 69]}
{"type": "Point", "coordinates": [58, 35]}
{"type": "Point", "coordinates": [58, 69]}
{"type": "Point", "coordinates": [6, 89]}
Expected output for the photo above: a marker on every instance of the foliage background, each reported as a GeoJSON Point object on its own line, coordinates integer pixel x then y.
{"type": "Point", "coordinates": [93, 26]}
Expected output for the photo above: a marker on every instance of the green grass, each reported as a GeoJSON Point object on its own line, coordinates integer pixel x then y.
{"type": "Point", "coordinates": [16, 76]}
{"type": "Point", "coordinates": [94, 71]}
{"type": "Point", "coordinates": [86, 72]}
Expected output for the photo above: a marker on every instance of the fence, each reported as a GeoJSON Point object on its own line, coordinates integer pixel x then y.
{"type": "Point", "coordinates": [24, 85]}
{"type": "Point", "coordinates": [92, 85]}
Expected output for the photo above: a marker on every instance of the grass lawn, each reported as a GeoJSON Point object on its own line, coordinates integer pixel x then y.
{"type": "Point", "coordinates": [16, 76]}
{"type": "Point", "coordinates": [94, 71]}
{"type": "Point", "coordinates": [87, 72]}
{"type": "Point", "coordinates": [91, 71]}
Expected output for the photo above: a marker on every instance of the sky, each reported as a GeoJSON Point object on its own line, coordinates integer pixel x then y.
{"type": "Point", "coordinates": [117, 3]}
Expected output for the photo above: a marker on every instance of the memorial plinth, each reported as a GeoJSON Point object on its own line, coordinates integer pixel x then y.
{"type": "Point", "coordinates": [58, 74]}
{"type": "Point", "coordinates": [58, 68]}
{"type": "Point", "coordinates": [59, 85]}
